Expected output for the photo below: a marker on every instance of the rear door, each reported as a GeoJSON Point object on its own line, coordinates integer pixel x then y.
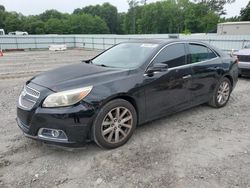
{"type": "Point", "coordinates": [168, 91]}
{"type": "Point", "coordinates": [205, 65]}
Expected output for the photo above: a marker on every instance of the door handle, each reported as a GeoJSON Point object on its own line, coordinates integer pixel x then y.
{"type": "Point", "coordinates": [187, 76]}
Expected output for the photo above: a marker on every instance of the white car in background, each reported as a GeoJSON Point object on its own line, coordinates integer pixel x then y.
{"type": "Point", "coordinates": [243, 56]}
{"type": "Point", "coordinates": [18, 33]}
{"type": "Point", "coordinates": [2, 32]}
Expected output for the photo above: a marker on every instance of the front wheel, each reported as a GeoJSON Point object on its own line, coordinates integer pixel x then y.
{"type": "Point", "coordinates": [221, 94]}
{"type": "Point", "coordinates": [114, 124]}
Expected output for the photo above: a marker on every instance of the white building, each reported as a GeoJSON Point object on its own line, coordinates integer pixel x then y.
{"type": "Point", "coordinates": [233, 28]}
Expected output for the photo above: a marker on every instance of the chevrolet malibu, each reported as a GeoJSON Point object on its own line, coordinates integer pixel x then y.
{"type": "Point", "coordinates": [103, 99]}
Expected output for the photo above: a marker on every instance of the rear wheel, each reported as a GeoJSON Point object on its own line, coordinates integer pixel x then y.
{"type": "Point", "coordinates": [115, 124]}
{"type": "Point", "coordinates": [221, 94]}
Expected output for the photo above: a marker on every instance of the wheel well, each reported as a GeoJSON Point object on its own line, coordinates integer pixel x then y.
{"type": "Point", "coordinates": [130, 100]}
{"type": "Point", "coordinates": [230, 79]}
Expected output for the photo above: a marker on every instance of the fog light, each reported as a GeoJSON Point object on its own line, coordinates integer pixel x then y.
{"type": "Point", "coordinates": [52, 134]}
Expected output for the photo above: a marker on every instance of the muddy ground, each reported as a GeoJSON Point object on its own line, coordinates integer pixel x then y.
{"type": "Point", "coordinates": [200, 147]}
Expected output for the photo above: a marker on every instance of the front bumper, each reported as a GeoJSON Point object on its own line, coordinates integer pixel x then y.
{"type": "Point", "coordinates": [74, 121]}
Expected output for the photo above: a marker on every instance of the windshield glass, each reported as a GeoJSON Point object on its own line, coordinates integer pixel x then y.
{"type": "Point", "coordinates": [125, 55]}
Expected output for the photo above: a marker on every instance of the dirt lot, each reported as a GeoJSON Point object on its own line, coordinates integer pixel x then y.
{"type": "Point", "coordinates": [200, 147]}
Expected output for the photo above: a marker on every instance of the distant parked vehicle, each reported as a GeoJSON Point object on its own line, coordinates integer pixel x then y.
{"type": "Point", "coordinates": [18, 33]}
{"type": "Point", "coordinates": [2, 32]}
{"type": "Point", "coordinates": [243, 56]}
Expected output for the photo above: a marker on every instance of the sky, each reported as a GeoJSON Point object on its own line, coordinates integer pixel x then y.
{"type": "Point", "coordinates": [32, 7]}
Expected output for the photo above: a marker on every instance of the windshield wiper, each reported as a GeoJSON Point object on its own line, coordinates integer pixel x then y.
{"type": "Point", "coordinates": [87, 61]}
{"type": "Point", "coordinates": [103, 65]}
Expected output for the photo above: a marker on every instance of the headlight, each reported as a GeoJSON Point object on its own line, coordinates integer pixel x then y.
{"type": "Point", "coordinates": [66, 98]}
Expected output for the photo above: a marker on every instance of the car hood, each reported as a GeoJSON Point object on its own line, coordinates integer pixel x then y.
{"type": "Point", "coordinates": [77, 75]}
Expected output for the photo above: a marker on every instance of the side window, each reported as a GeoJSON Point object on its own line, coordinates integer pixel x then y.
{"type": "Point", "coordinates": [200, 53]}
{"type": "Point", "coordinates": [211, 54]}
{"type": "Point", "coordinates": [173, 55]}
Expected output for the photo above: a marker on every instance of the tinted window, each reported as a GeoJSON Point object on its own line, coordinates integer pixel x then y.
{"type": "Point", "coordinates": [200, 53]}
{"type": "Point", "coordinates": [211, 54]}
{"type": "Point", "coordinates": [173, 55]}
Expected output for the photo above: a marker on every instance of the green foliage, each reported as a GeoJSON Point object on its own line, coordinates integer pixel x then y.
{"type": "Point", "coordinates": [86, 24]}
{"type": "Point", "coordinates": [172, 17]}
{"type": "Point", "coordinates": [105, 11]}
{"type": "Point", "coordinates": [166, 16]}
{"type": "Point", "coordinates": [2, 8]}
{"type": "Point", "coordinates": [215, 5]}
{"type": "Point", "coordinates": [51, 14]}
{"type": "Point", "coordinates": [34, 25]}
{"type": "Point", "coordinates": [13, 21]}
{"type": "Point", "coordinates": [245, 13]}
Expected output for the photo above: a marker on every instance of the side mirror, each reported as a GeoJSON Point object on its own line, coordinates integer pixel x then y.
{"type": "Point", "coordinates": [158, 67]}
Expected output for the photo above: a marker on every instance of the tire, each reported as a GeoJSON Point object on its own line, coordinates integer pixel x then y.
{"type": "Point", "coordinates": [111, 131]}
{"type": "Point", "coordinates": [215, 100]}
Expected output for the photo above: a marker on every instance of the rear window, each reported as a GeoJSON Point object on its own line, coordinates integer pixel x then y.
{"type": "Point", "coordinates": [200, 53]}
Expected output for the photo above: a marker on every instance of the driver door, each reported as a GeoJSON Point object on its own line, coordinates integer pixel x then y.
{"type": "Point", "coordinates": [168, 90]}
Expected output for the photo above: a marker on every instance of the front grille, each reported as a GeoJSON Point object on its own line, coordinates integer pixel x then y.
{"type": "Point", "coordinates": [32, 92]}
{"type": "Point", "coordinates": [28, 98]}
{"type": "Point", "coordinates": [244, 58]}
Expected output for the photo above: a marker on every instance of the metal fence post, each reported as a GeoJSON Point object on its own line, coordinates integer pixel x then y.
{"type": "Point", "coordinates": [93, 45]}
{"type": "Point", "coordinates": [103, 44]}
{"type": "Point", "coordinates": [243, 43]}
{"type": "Point", "coordinates": [16, 43]}
{"type": "Point", "coordinates": [35, 42]}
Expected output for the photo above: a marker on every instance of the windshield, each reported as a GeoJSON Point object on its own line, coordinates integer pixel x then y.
{"type": "Point", "coordinates": [125, 55]}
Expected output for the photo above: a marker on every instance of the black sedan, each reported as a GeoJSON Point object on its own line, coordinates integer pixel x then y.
{"type": "Point", "coordinates": [103, 99]}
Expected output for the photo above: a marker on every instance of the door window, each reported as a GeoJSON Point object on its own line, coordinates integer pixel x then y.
{"type": "Point", "coordinates": [173, 55]}
{"type": "Point", "coordinates": [200, 53]}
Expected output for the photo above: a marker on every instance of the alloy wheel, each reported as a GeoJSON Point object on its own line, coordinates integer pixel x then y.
{"type": "Point", "coordinates": [223, 93]}
{"type": "Point", "coordinates": [117, 125]}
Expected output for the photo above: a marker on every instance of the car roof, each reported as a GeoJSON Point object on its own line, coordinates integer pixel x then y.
{"type": "Point", "coordinates": [163, 42]}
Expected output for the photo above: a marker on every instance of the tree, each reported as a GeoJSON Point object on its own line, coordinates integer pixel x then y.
{"type": "Point", "coordinates": [13, 22]}
{"type": "Point", "coordinates": [216, 5]}
{"type": "Point", "coordinates": [54, 26]}
{"type": "Point", "coordinates": [49, 14]}
{"type": "Point", "coordinates": [168, 16]}
{"type": "Point", "coordinates": [2, 16]}
{"type": "Point", "coordinates": [245, 13]}
{"type": "Point", "coordinates": [132, 11]}
{"type": "Point", "coordinates": [105, 11]}
{"type": "Point", "coordinates": [33, 25]}
{"type": "Point", "coordinates": [2, 8]}
{"type": "Point", "coordinates": [120, 23]}
{"type": "Point", "coordinates": [86, 24]}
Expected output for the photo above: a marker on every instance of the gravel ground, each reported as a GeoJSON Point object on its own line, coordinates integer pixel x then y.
{"type": "Point", "coordinates": [200, 147]}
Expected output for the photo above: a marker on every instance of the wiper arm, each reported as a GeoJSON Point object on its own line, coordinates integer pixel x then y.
{"type": "Point", "coordinates": [102, 65]}
{"type": "Point", "coordinates": [87, 61]}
